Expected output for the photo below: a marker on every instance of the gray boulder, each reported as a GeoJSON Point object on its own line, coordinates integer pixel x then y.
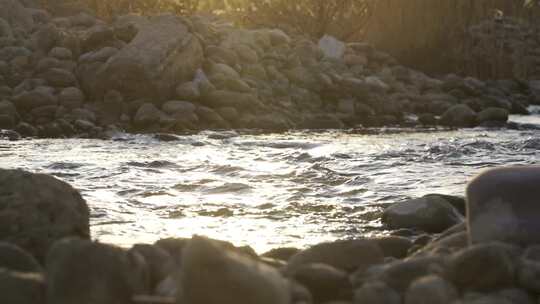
{"type": "Point", "coordinates": [221, 98]}
{"type": "Point", "coordinates": [175, 106]}
{"type": "Point", "coordinates": [431, 289]}
{"type": "Point", "coordinates": [459, 116]}
{"type": "Point", "coordinates": [59, 77]}
{"type": "Point", "coordinates": [502, 204]}
{"type": "Point", "coordinates": [71, 98]}
{"type": "Point", "coordinates": [35, 219]}
{"type": "Point", "coordinates": [162, 54]}
{"type": "Point", "coordinates": [188, 91]}
{"type": "Point", "coordinates": [147, 115]}
{"type": "Point", "coordinates": [214, 274]}
{"type": "Point", "coordinates": [429, 213]}
{"type": "Point", "coordinates": [16, 14]}
{"type": "Point", "coordinates": [376, 292]}
{"type": "Point", "coordinates": [80, 271]}
{"type": "Point", "coordinates": [484, 266]}
{"type": "Point", "coordinates": [325, 282]}
{"type": "Point", "coordinates": [493, 115]}
{"type": "Point", "coordinates": [21, 287]}
{"type": "Point", "coordinates": [14, 258]}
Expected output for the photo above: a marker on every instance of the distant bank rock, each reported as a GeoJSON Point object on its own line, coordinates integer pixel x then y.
{"type": "Point", "coordinates": [38, 209]}
{"type": "Point", "coordinates": [162, 54]}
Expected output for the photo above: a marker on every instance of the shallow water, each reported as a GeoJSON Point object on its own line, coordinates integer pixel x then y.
{"type": "Point", "coordinates": [269, 190]}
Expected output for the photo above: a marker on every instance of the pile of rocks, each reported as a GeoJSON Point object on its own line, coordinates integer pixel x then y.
{"type": "Point", "coordinates": [495, 260]}
{"type": "Point", "coordinates": [80, 76]}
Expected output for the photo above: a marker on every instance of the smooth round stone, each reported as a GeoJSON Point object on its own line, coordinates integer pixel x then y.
{"type": "Point", "coordinates": [503, 204]}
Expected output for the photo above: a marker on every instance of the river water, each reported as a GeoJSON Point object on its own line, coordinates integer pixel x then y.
{"type": "Point", "coordinates": [265, 190]}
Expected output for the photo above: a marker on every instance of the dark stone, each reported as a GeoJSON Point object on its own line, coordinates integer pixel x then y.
{"type": "Point", "coordinates": [430, 214]}
{"type": "Point", "coordinates": [400, 274]}
{"type": "Point", "coordinates": [14, 258]}
{"type": "Point", "coordinates": [459, 116]}
{"type": "Point", "coordinates": [231, 277]}
{"type": "Point", "coordinates": [59, 77]}
{"type": "Point", "coordinates": [345, 255]}
{"type": "Point", "coordinates": [503, 205]}
{"type": "Point", "coordinates": [35, 219]}
{"type": "Point", "coordinates": [394, 246]}
{"type": "Point", "coordinates": [283, 254]}
{"type": "Point", "coordinates": [324, 282]}
{"type": "Point", "coordinates": [160, 263]}
{"type": "Point", "coordinates": [26, 130]}
{"type": "Point", "coordinates": [21, 288]}
{"type": "Point", "coordinates": [376, 292]}
{"type": "Point", "coordinates": [80, 271]}
{"type": "Point", "coordinates": [483, 266]}
{"type": "Point", "coordinates": [431, 289]}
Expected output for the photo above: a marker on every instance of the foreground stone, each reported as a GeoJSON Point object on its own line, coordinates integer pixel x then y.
{"type": "Point", "coordinates": [38, 209]}
{"type": "Point", "coordinates": [21, 287]}
{"type": "Point", "coordinates": [212, 274]}
{"type": "Point", "coordinates": [503, 205]}
{"type": "Point", "coordinates": [84, 272]}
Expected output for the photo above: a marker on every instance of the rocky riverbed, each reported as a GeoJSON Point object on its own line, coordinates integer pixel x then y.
{"type": "Point", "coordinates": [46, 255]}
{"type": "Point", "coordinates": [77, 75]}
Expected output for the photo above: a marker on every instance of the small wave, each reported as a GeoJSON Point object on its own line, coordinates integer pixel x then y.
{"type": "Point", "coordinates": [227, 188]}
{"type": "Point", "coordinates": [152, 164]}
{"type": "Point", "coordinates": [64, 166]}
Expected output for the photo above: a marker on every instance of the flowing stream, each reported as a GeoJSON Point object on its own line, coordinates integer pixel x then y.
{"type": "Point", "coordinates": [266, 190]}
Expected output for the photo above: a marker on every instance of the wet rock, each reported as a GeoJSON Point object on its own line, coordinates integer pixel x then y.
{"type": "Point", "coordinates": [188, 91]}
{"type": "Point", "coordinates": [125, 32]}
{"type": "Point", "coordinates": [45, 38]}
{"type": "Point", "coordinates": [492, 115]}
{"type": "Point", "coordinates": [376, 292]}
{"type": "Point", "coordinates": [281, 253]}
{"type": "Point", "coordinates": [483, 266]}
{"type": "Point", "coordinates": [400, 274]}
{"type": "Point", "coordinates": [457, 202]}
{"type": "Point", "coordinates": [59, 77]}
{"type": "Point", "coordinates": [162, 54]}
{"type": "Point", "coordinates": [38, 97]}
{"type": "Point", "coordinates": [232, 277]}
{"type": "Point", "coordinates": [175, 106]}
{"type": "Point", "coordinates": [80, 271]}
{"type": "Point", "coordinates": [147, 115]}
{"type": "Point", "coordinates": [14, 258]}
{"type": "Point", "coordinates": [21, 287]}
{"type": "Point", "coordinates": [16, 15]}
{"type": "Point", "coordinates": [324, 121]}
{"type": "Point", "coordinates": [173, 246]}
{"type": "Point", "coordinates": [394, 246]}
{"type": "Point", "coordinates": [160, 263]}
{"type": "Point", "coordinates": [8, 109]}
{"type": "Point", "coordinates": [345, 255]}
{"type": "Point", "coordinates": [445, 245]}
{"type": "Point", "coordinates": [221, 98]}
{"type": "Point", "coordinates": [324, 282]}
{"type": "Point", "coordinates": [61, 53]}
{"type": "Point", "coordinates": [430, 214]}
{"type": "Point", "coordinates": [502, 205]}
{"type": "Point", "coordinates": [459, 116]}
{"type": "Point", "coordinates": [35, 219]}
{"type": "Point", "coordinates": [516, 296]}
{"type": "Point", "coordinates": [431, 289]}
{"type": "Point", "coordinates": [26, 130]}
{"type": "Point", "coordinates": [211, 118]}
{"type": "Point", "coordinates": [7, 121]}
{"type": "Point", "coordinates": [71, 98]}
{"type": "Point", "coordinates": [96, 37]}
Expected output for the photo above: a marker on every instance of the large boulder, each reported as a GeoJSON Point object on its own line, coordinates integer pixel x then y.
{"type": "Point", "coordinates": [459, 116]}
{"type": "Point", "coordinates": [81, 271]}
{"type": "Point", "coordinates": [16, 14]}
{"type": "Point", "coordinates": [212, 274]}
{"type": "Point", "coordinates": [163, 54]}
{"type": "Point", "coordinates": [38, 209]}
{"type": "Point", "coordinates": [502, 204]}
{"type": "Point", "coordinates": [428, 213]}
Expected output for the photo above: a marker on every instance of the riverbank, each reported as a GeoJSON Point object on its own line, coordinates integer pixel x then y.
{"type": "Point", "coordinates": [78, 76]}
{"type": "Point", "coordinates": [430, 268]}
